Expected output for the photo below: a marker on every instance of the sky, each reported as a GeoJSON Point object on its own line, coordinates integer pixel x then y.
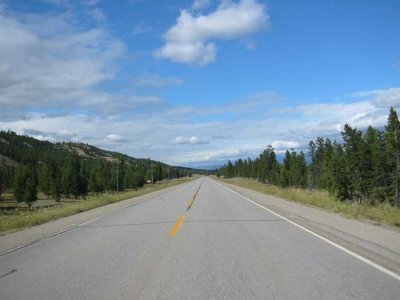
{"type": "Point", "coordinates": [195, 83]}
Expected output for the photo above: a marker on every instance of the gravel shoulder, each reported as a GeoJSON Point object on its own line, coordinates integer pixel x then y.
{"type": "Point", "coordinates": [378, 243]}
{"type": "Point", "coordinates": [16, 240]}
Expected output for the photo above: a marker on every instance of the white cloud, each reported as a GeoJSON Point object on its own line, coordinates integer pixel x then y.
{"type": "Point", "coordinates": [116, 138]}
{"type": "Point", "coordinates": [383, 98]}
{"type": "Point", "coordinates": [223, 137]}
{"type": "Point", "coordinates": [284, 145]}
{"type": "Point", "coordinates": [163, 136]}
{"type": "Point", "coordinates": [200, 4]}
{"type": "Point", "coordinates": [190, 53]}
{"type": "Point", "coordinates": [67, 133]}
{"type": "Point", "coordinates": [47, 62]}
{"type": "Point", "coordinates": [190, 40]}
{"type": "Point", "coordinates": [194, 140]}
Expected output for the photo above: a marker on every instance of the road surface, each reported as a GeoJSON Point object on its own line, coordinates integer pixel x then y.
{"type": "Point", "coordinates": [171, 246]}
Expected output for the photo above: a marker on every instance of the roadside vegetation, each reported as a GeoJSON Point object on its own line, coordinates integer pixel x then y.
{"type": "Point", "coordinates": [16, 219]}
{"type": "Point", "coordinates": [359, 177]}
{"type": "Point", "coordinates": [29, 167]}
{"type": "Point", "coordinates": [380, 213]}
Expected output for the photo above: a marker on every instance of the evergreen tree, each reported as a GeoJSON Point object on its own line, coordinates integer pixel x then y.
{"type": "Point", "coordinates": [25, 185]}
{"type": "Point", "coordinates": [55, 188]}
{"type": "Point", "coordinates": [353, 145]}
{"type": "Point", "coordinates": [1, 180]}
{"type": "Point", "coordinates": [373, 166]}
{"type": "Point", "coordinates": [392, 153]}
{"type": "Point", "coordinates": [365, 167]}
{"type": "Point", "coordinates": [230, 171]}
{"type": "Point", "coordinates": [31, 183]}
{"type": "Point", "coordinates": [19, 184]}
{"type": "Point", "coordinates": [269, 167]}
{"type": "Point", "coordinates": [71, 177]}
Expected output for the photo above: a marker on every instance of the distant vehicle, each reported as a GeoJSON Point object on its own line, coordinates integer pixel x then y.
{"type": "Point", "coordinates": [149, 181]}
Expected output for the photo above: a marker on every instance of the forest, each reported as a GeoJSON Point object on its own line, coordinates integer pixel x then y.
{"type": "Point", "coordinates": [72, 170]}
{"type": "Point", "coordinates": [363, 167]}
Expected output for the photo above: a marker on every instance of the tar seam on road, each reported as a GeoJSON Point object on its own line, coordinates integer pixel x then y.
{"type": "Point", "coordinates": [191, 201]}
{"type": "Point", "coordinates": [67, 229]}
{"type": "Point", "coordinates": [178, 224]}
{"type": "Point", "coordinates": [365, 260]}
{"type": "Point", "coordinates": [190, 204]}
{"type": "Point", "coordinates": [8, 273]}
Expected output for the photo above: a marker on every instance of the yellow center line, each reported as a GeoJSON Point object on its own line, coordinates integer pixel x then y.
{"type": "Point", "coordinates": [178, 224]}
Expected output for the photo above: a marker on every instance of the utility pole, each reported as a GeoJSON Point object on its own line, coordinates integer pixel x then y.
{"type": "Point", "coordinates": [117, 177]}
{"type": "Point", "coordinates": [397, 168]}
{"type": "Point", "coordinates": [152, 176]}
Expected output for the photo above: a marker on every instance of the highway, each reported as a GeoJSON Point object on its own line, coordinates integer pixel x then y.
{"type": "Point", "coordinates": [198, 240]}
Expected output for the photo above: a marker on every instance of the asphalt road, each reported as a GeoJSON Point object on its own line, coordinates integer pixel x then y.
{"type": "Point", "coordinates": [218, 246]}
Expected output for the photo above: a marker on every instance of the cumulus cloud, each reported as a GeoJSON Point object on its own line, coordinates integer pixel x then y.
{"type": "Point", "coordinates": [191, 39]}
{"type": "Point", "coordinates": [47, 62]}
{"type": "Point", "coordinates": [200, 4]}
{"type": "Point", "coordinates": [194, 140]}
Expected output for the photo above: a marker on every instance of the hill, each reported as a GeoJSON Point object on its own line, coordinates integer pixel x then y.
{"type": "Point", "coordinates": [67, 169]}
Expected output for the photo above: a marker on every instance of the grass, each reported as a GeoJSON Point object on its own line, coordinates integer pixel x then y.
{"type": "Point", "coordinates": [380, 214]}
{"type": "Point", "coordinates": [13, 220]}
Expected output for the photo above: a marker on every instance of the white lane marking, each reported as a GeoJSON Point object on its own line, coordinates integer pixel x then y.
{"type": "Point", "coordinates": [19, 247]}
{"type": "Point", "coordinates": [367, 261]}
{"type": "Point", "coordinates": [87, 222]}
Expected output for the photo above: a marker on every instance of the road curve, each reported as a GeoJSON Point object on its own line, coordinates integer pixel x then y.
{"type": "Point", "coordinates": [197, 240]}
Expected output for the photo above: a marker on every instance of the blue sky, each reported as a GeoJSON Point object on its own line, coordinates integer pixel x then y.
{"type": "Point", "coordinates": [197, 82]}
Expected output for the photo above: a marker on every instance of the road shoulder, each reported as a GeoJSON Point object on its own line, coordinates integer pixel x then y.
{"type": "Point", "coordinates": [380, 244]}
{"type": "Point", "coordinates": [22, 238]}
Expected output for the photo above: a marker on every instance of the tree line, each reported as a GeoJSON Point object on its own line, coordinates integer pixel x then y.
{"type": "Point", "coordinates": [62, 170]}
{"type": "Point", "coordinates": [364, 167]}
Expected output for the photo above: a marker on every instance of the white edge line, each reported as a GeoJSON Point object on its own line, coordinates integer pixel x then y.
{"type": "Point", "coordinates": [367, 261]}
{"type": "Point", "coordinates": [81, 224]}
{"type": "Point", "coordinates": [87, 222]}
{"type": "Point", "coordinates": [19, 247]}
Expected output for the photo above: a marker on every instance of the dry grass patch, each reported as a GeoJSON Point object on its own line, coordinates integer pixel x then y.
{"type": "Point", "coordinates": [382, 214]}
{"type": "Point", "coordinates": [13, 220]}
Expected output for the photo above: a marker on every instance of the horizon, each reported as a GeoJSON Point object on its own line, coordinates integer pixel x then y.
{"type": "Point", "coordinates": [196, 83]}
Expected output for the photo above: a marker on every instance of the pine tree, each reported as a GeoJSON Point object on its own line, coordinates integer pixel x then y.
{"type": "Point", "coordinates": [373, 165]}
{"type": "Point", "coordinates": [19, 184]}
{"type": "Point", "coordinates": [1, 180]}
{"type": "Point", "coordinates": [392, 153]}
{"type": "Point", "coordinates": [55, 188]}
{"type": "Point", "coordinates": [71, 177]}
{"type": "Point", "coordinates": [230, 172]}
{"type": "Point", "coordinates": [31, 183]}
{"type": "Point", "coordinates": [353, 145]}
